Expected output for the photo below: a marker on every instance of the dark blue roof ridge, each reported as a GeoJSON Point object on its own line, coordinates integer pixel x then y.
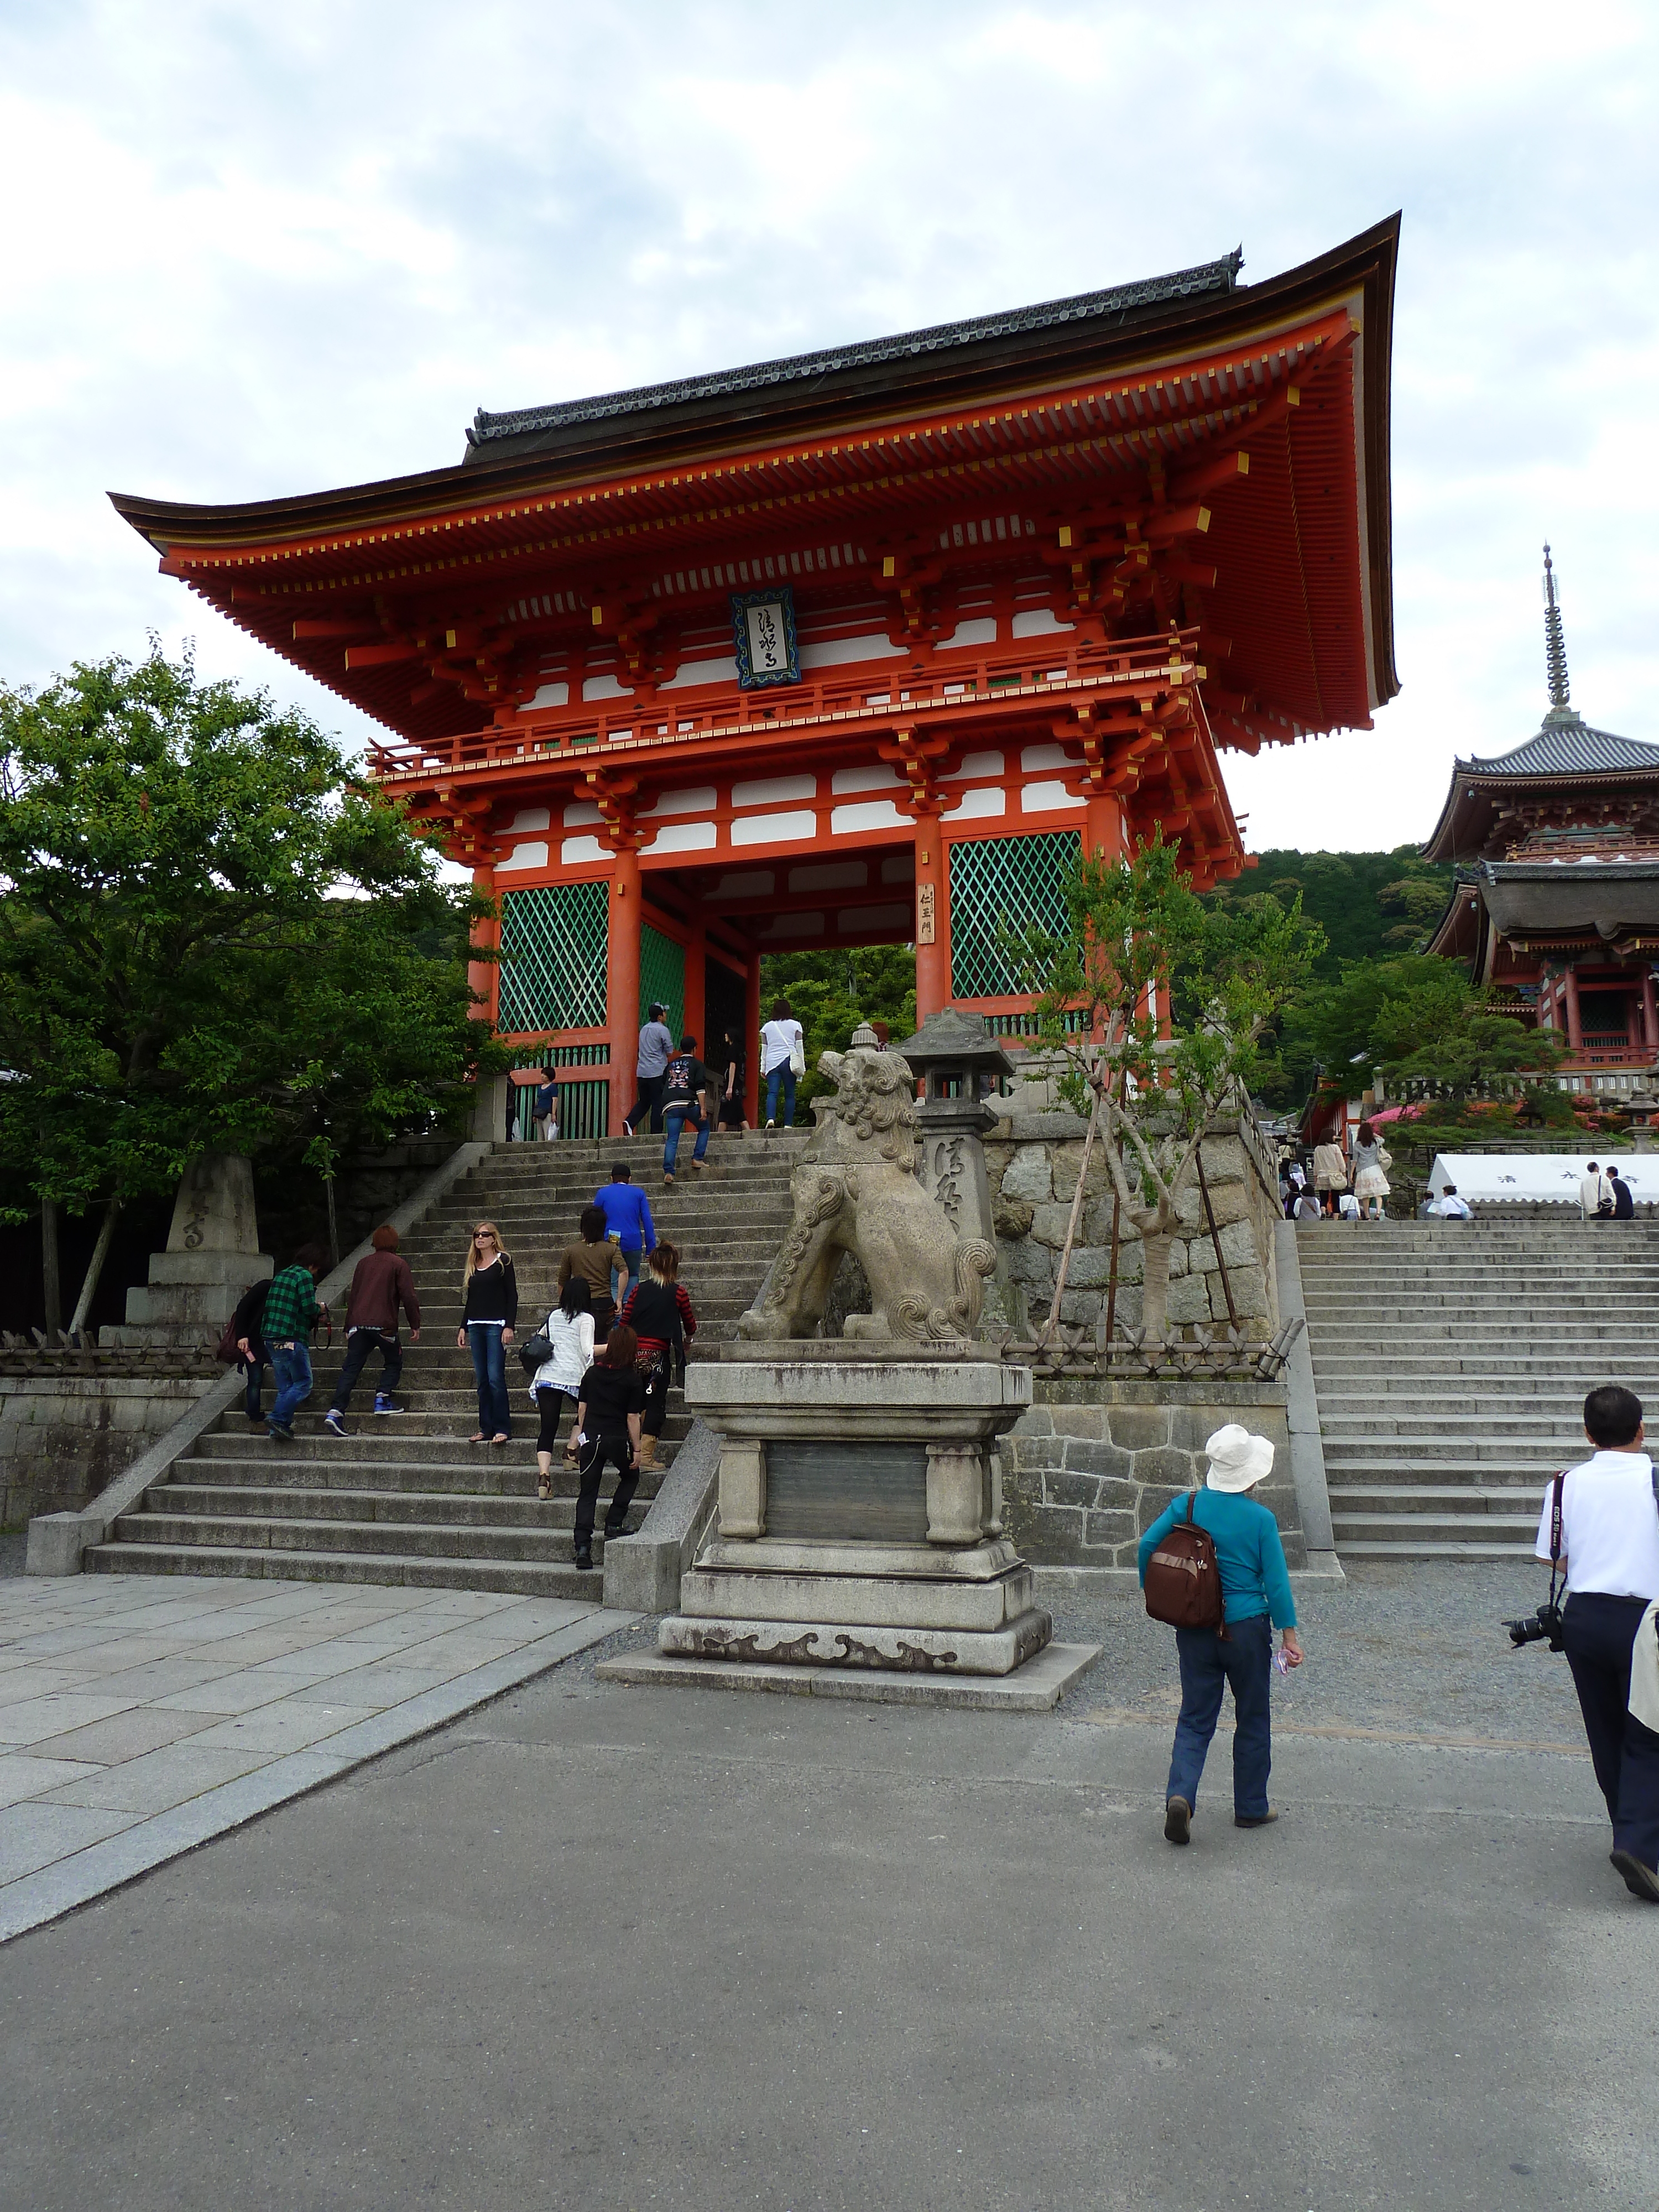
{"type": "Point", "coordinates": [1180, 283]}
{"type": "Point", "coordinates": [1567, 745]}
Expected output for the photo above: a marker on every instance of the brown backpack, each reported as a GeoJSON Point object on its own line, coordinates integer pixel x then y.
{"type": "Point", "coordinates": [1183, 1580]}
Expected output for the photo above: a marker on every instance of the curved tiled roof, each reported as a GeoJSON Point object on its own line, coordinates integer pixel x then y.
{"type": "Point", "coordinates": [1566, 745]}
{"type": "Point", "coordinates": [1119, 299]}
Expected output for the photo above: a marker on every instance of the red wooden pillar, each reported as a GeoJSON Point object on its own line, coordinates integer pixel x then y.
{"type": "Point", "coordinates": [696, 995]}
{"type": "Point", "coordinates": [484, 976]}
{"type": "Point", "coordinates": [933, 920]}
{"type": "Point", "coordinates": [621, 983]}
{"type": "Point", "coordinates": [1103, 828]}
{"type": "Point", "coordinates": [1650, 1012]}
{"type": "Point", "coordinates": [751, 1048]}
{"type": "Point", "coordinates": [1574, 1033]}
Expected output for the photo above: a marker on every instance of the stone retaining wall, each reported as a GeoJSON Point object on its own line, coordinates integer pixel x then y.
{"type": "Point", "coordinates": [63, 1437]}
{"type": "Point", "coordinates": [1033, 1162]}
{"type": "Point", "coordinates": [1091, 1466]}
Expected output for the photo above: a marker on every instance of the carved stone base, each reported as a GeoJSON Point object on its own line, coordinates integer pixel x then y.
{"type": "Point", "coordinates": [849, 1599]}
{"type": "Point", "coordinates": [826, 1643]}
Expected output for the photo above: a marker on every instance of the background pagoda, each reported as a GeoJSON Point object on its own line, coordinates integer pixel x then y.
{"type": "Point", "coordinates": [1556, 906]}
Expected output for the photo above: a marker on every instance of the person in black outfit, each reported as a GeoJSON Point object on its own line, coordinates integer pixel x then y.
{"type": "Point", "coordinates": [491, 1308]}
{"type": "Point", "coordinates": [245, 1335]}
{"type": "Point", "coordinates": [1624, 1197]}
{"type": "Point", "coordinates": [608, 1432]}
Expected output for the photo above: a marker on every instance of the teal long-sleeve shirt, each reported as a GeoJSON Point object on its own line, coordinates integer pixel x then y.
{"type": "Point", "coordinates": [1254, 1577]}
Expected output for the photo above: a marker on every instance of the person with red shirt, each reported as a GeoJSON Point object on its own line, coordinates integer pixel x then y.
{"type": "Point", "coordinates": [659, 1312]}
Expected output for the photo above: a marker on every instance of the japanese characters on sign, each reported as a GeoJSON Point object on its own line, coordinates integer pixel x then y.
{"type": "Point", "coordinates": [764, 627]}
{"type": "Point", "coordinates": [927, 910]}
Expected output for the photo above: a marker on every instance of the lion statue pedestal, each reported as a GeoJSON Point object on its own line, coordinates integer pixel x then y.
{"type": "Point", "coordinates": [860, 1511]}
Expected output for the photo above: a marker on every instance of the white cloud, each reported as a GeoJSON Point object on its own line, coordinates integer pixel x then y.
{"type": "Point", "coordinates": [268, 250]}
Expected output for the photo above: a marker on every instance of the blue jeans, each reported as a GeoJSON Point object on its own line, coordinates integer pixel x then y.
{"type": "Point", "coordinates": [253, 1378]}
{"type": "Point", "coordinates": [784, 1075]}
{"type": "Point", "coordinates": [675, 1119]}
{"type": "Point", "coordinates": [360, 1342]}
{"type": "Point", "coordinates": [1207, 1665]}
{"type": "Point", "coordinates": [290, 1363]}
{"type": "Point", "coordinates": [483, 1341]}
{"type": "Point", "coordinates": [625, 1272]}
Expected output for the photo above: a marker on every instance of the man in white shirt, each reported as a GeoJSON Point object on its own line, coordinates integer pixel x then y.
{"type": "Point", "coordinates": [1610, 1548]}
{"type": "Point", "coordinates": [1448, 1206]}
{"type": "Point", "coordinates": [1594, 1192]}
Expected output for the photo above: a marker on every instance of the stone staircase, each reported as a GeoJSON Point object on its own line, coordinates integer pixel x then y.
{"type": "Point", "coordinates": [406, 1499]}
{"type": "Point", "coordinates": [1451, 1362]}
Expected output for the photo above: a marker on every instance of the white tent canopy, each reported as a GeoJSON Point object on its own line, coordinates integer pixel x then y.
{"type": "Point", "coordinates": [1497, 1178]}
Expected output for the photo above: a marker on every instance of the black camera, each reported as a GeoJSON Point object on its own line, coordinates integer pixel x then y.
{"type": "Point", "coordinates": [1546, 1623]}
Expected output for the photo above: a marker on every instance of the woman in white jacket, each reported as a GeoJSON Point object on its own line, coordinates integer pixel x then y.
{"type": "Point", "coordinates": [557, 1381]}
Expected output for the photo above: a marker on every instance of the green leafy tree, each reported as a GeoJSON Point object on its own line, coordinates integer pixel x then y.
{"type": "Point", "coordinates": [212, 937]}
{"type": "Point", "coordinates": [1441, 1031]}
{"type": "Point", "coordinates": [831, 993]}
{"type": "Point", "coordinates": [1137, 940]}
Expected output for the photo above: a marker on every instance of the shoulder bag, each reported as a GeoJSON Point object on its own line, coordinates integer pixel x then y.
{"type": "Point", "coordinates": [1183, 1578]}
{"type": "Point", "coordinates": [798, 1052]}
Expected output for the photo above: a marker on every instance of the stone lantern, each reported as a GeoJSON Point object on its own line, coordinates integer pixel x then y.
{"type": "Point", "coordinates": [956, 1060]}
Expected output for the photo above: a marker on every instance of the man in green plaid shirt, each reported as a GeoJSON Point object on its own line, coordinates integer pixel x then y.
{"type": "Point", "coordinates": [290, 1314]}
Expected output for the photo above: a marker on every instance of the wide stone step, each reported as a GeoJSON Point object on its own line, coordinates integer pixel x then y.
{"type": "Point", "coordinates": [1514, 1502]}
{"type": "Point", "coordinates": [549, 1546]}
{"type": "Point", "coordinates": [522, 1509]}
{"type": "Point", "coordinates": [1375, 1428]}
{"type": "Point", "coordinates": [1406, 1546]}
{"type": "Point", "coordinates": [1517, 1530]}
{"type": "Point", "coordinates": [392, 1478]}
{"type": "Point", "coordinates": [1530, 1473]}
{"type": "Point", "coordinates": [513, 1577]}
{"type": "Point", "coordinates": [1471, 1451]}
{"type": "Point", "coordinates": [323, 1451]}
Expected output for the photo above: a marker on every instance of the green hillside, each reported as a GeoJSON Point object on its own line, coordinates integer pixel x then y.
{"type": "Point", "coordinates": [1371, 906]}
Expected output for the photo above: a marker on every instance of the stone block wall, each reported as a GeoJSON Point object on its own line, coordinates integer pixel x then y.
{"type": "Point", "coordinates": [1033, 1162]}
{"type": "Point", "coordinates": [63, 1437]}
{"type": "Point", "coordinates": [1092, 1464]}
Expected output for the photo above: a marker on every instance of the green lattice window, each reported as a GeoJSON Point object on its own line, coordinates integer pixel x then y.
{"type": "Point", "coordinates": [662, 975]}
{"type": "Point", "coordinates": [553, 957]}
{"type": "Point", "coordinates": [999, 883]}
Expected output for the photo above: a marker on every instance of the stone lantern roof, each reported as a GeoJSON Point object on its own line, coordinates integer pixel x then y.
{"type": "Point", "coordinates": [952, 1042]}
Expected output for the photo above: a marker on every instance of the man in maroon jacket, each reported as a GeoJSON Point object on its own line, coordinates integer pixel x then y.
{"type": "Point", "coordinates": [380, 1284]}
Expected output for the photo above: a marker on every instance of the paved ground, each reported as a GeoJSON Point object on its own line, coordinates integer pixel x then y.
{"type": "Point", "coordinates": [141, 1714]}
{"type": "Point", "coordinates": [600, 1946]}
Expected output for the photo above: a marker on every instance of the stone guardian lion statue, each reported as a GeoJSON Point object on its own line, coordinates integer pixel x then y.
{"type": "Point", "coordinates": [855, 1190]}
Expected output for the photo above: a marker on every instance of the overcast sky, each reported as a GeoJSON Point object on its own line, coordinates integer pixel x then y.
{"type": "Point", "coordinates": [263, 249]}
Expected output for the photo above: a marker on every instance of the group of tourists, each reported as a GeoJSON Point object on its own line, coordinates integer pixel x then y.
{"type": "Point", "coordinates": [607, 1353]}
{"type": "Point", "coordinates": [1213, 1565]}
{"type": "Point", "coordinates": [1319, 1190]}
{"type": "Point", "coordinates": [676, 1087]}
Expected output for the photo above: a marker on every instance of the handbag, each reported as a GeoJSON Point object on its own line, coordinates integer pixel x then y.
{"type": "Point", "coordinates": [536, 1351]}
{"type": "Point", "coordinates": [1384, 1157]}
{"type": "Point", "coordinates": [797, 1054]}
{"type": "Point", "coordinates": [1183, 1578]}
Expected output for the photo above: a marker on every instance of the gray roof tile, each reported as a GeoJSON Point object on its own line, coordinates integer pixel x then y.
{"type": "Point", "coordinates": [1566, 745]}
{"type": "Point", "coordinates": [1119, 299]}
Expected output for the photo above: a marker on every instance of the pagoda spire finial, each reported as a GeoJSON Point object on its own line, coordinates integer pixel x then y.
{"type": "Point", "coordinates": [1555, 645]}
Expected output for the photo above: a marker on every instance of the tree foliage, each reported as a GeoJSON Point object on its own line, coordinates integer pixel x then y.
{"type": "Point", "coordinates": [212, 937]}
{"type": "Point", "coordinates": [1367, 904]}
{"type": "Point", "coordinates": [831, 993]}
{"type": "Point", "coordinates": [1137, 942]}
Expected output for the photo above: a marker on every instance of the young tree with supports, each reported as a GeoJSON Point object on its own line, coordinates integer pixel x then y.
{"type": "Point", "coordinates": [213, 937]}
{"type": "Point", "coordinates": [1155, 1006]}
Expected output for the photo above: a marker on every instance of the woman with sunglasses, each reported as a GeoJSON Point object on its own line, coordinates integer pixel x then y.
{"type": "Point", "coordinates": [490, 1289]}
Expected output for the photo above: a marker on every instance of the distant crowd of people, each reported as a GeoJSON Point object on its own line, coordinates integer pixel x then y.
{"type": "Point", "coordinates": [676, 1088]}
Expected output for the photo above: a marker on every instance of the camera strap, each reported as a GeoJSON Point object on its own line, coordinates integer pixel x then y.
{"type": "Point", "coordinates": [1555, 1489]}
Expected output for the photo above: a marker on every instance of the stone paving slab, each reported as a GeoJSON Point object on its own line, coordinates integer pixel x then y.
{"type": "Point", "coordinates": [139, 1719]}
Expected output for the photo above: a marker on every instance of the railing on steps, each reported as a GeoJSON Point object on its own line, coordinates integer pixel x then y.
{"type": "Point", "coordinates": [1129, 1357]}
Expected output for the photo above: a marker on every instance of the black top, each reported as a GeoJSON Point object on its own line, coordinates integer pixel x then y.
{"type": "Point", "coordinates": [1624, 1200]}
{"type": "Point", "coordinates": [610, 1394]}
{"type": "Point", "coordinates": [492, 1293]}
{"type": "Point", "coordinates": [249, 1309]}
{"type": "Point", "coordinates": [683, 1078]}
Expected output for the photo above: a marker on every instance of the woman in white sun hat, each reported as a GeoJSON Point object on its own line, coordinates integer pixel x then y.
{"type": "Point", "coordinates": [1255, 1588]}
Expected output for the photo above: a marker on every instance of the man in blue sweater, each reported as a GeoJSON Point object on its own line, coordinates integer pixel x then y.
{"type": "Point", "coordinates": [628, 1224]}
{"type": "Point", "coordinates": [1255, 1591]}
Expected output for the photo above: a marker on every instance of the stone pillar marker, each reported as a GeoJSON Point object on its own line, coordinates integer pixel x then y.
{"type": "Point", "coordinates": [212, 1256]}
